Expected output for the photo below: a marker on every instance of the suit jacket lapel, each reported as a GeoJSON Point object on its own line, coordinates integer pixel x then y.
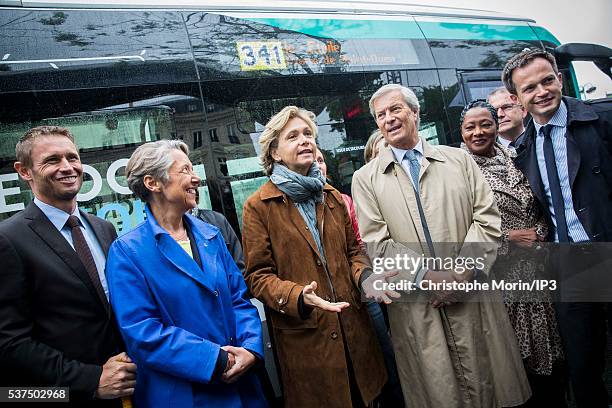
{"type": "Point", "coordinates": [573, 156]}
{"type": "Point", "coordinates": [527, 162]}
{"type": "Point", "coordinates": [47, 232]}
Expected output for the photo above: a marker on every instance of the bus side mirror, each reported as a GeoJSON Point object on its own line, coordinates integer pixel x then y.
{"type": "Point", "coordinates": [600, 55]}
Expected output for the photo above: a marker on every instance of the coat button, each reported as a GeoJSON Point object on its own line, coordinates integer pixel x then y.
{"type": "Point", "coordinates": [216, 293]}
{"type": "Point", "coordinates": [319, 262]}
{"type": "Point", "coordinates": [307, 229]}
{"type": "Point", "coordinates": [280, 301]}
{"type": "Point", "coordinates": [334, 335]}
{"type": "Point", "coordinates": [596, 170]}
{"type": "Point", "coordinates": [582, 209]}
{"type": "Point", "coordinates": [282, 311]}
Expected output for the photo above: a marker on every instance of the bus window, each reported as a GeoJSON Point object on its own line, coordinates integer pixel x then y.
{"type": "Point", "coordinates": [247, 46]}
{"type": "Point", "coordinates": [476, 85]}
{"type": "Point", "coordinates": [475, 44]}
{"type": "Point", "coordinates": [106, 140]}
{"type": "Point", "coordinates": [74, 49]}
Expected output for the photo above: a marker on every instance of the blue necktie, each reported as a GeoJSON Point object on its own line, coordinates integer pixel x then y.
{"type": "Point", "coordinates": [554, 184]}
{"type": "Point", "coordinates": [415, 168]}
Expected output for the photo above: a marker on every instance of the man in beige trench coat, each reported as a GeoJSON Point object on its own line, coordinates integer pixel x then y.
{"type": "Point", "coordinates": [450, 353]}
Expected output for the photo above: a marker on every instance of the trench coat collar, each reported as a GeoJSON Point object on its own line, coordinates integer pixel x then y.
{"type": "Point", "coordinates": [578, 111]}
{"type": "Point", "coordinates": [270, 191]}
{"type": "Point", "coordinates": [387, 157]}
{"type": "Point", "coordinates": [203, 234]}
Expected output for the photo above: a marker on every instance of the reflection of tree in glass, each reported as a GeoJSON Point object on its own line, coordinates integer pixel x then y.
{"type": "Point", "coordinates": [105, 33]}
{"type": "Point", "coordinates": [58, 18]}
{"type": "Point", "coordinates": [488, 53]}
{"type": "Point", "coordinates": [498, 58]}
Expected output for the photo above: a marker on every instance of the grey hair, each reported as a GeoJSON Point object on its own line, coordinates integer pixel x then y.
{"type": "Point", "coordinates": [152, 159]}
{"type": "Point", "coordinates": [408, 94]}
{"type": "Point", "coordinates": [501, 89]}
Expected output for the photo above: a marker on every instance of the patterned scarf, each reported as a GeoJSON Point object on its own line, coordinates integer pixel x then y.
{"type": "Point", "coordinates": [501, 169]}
{"type": "Point", "coordinates": [498, 164]}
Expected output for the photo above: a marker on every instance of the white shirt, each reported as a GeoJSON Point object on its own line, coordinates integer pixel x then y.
{"type": "Point", "coordinates": [400, 156]}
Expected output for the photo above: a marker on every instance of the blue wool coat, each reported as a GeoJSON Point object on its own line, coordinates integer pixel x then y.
{"type": "Point", "coordinates": [174, 316]}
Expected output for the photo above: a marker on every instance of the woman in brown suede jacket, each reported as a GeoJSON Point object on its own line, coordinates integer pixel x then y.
{"type": "Point", "coordinates": [303, 262]}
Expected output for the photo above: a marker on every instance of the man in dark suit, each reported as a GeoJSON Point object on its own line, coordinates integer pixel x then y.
{"type": "Point", "coordinates": [511, 115]}
{"type": "Point", "coordinates": [567, 158]}
{"type": "Point", "coordinates": [56, 324]}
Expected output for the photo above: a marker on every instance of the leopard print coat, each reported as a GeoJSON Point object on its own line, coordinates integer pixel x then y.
{"type": "Point", "coordinates": [531, 314]}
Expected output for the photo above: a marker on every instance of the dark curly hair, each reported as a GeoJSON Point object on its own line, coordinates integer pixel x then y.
{"type": "Point", "coordinates": [480, 103]}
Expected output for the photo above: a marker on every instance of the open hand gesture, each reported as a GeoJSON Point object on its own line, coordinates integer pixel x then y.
{"type": "Point", "coordinates": [311, 299]}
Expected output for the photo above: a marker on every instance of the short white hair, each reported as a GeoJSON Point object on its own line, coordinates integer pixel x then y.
{"type": "Point", "coordinates": [152, 159]}
{"type": "Point", "coordinates": [409, 96]}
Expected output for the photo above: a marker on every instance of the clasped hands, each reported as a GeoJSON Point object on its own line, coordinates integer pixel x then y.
{"type": "Point", "coordinates": [239, 360]}
{"type": "Point", "coordinates": [442, 298]}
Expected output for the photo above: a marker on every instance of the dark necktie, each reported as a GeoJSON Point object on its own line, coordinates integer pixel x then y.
{"type": "Point", "coordinates": [414, 174]}
{"type": "Point", "coordinates": [84, 253]}
{"type": "Point", "coordinates": [555, 185]}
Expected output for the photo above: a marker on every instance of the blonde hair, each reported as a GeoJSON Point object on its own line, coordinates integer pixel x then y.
{"type": "Point", "coordinates": [269, 137]}
{"type": "Point", "coordinates": [368, 152]}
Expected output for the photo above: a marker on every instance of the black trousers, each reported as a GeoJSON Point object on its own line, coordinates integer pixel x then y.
{"type": "Point", "coordinates": [583, 331]}
{"type": "Point", "coordinates": [582, 308]}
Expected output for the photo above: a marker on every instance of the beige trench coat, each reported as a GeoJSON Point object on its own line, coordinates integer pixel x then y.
{"type": "Point", "coordinates": [465, 354]}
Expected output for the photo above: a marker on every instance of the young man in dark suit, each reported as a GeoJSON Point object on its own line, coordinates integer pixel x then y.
{"type": "Point", "coordinates": [567, 158]}
{"type": "Point", "coordinates": [56, 325]}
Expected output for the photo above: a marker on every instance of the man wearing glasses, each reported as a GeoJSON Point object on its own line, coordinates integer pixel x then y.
{"type": "Point", "coordinates": [511, 115]}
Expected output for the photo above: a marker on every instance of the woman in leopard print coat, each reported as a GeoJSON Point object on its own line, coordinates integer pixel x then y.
{"type": "Point", "coordinates": [531, 313]}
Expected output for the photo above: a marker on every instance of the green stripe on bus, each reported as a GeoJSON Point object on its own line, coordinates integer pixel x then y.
{"type": "Point", "coordinates": [362, 29]}
{"type": "Point", "coordinates": [347, 29]}
{"type": "Point", "coordinates": [462, 31]}
{"type": "Point", "coordinates": [545, 35]}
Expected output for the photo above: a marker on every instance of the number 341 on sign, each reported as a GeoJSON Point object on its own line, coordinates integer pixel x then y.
{"type": "Point", "coordinates": [260, 55]}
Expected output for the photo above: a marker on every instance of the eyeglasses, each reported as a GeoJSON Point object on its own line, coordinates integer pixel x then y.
{"type": "Point", "coordinates": [507, 107]}
{"type": "Point", "coordinates": [185, 172]}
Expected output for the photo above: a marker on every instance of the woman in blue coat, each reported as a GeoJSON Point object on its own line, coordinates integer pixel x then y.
{"type": "Point", "coordinates": [178, 296]}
